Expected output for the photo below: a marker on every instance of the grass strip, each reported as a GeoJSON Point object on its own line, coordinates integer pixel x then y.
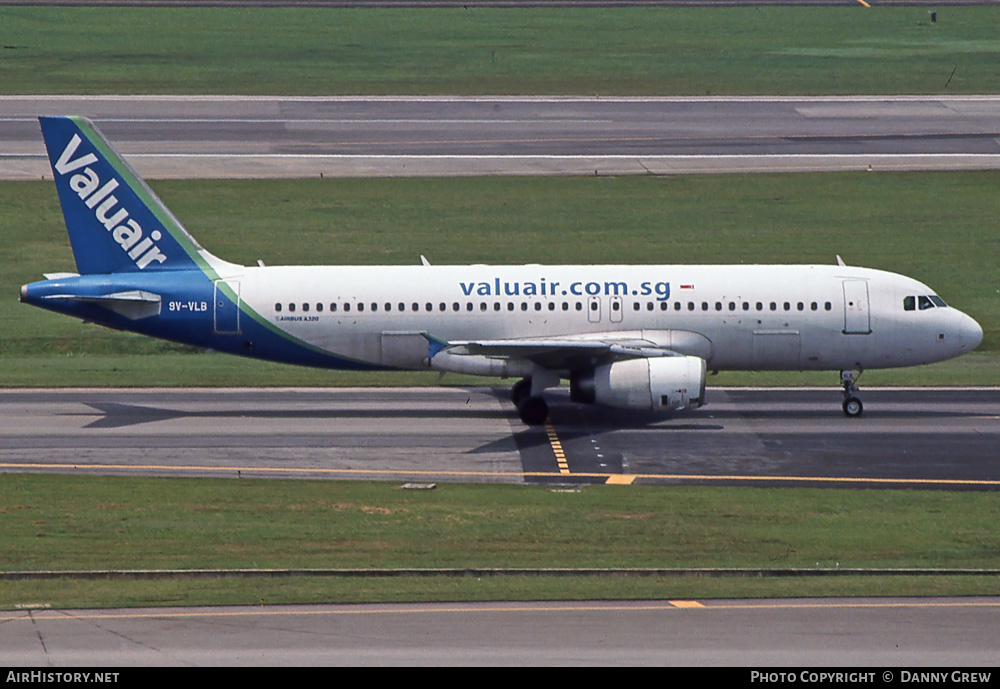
{"type": "Point", "coordinates": [64, 594]}
{"type": "Point", "coordinates": [78, 522]}
{"type": "Point", "coordinates": [469, 50]}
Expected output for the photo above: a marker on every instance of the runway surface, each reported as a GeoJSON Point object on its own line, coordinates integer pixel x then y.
{"type": "Point", "coordinates": [755, 634]}
{"type": "Point", "coordinates": [220, 136]}
{"type": "Point", "coordinates": [928, 438]}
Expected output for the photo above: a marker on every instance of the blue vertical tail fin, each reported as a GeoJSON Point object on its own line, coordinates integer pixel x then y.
{"type": "Point", "coordinates": [114, 220]}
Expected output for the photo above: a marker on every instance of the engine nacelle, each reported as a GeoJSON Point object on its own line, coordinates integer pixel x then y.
{"type": "Point", "coordinates": [656, 384]}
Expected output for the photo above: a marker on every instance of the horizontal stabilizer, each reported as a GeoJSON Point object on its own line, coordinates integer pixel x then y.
{"type": "Point", "coordinates": [134, 304]}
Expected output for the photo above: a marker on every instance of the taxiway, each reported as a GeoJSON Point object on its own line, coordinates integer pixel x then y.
{"type": "Point", "coordinates": [229, 136]}
{"type": "Point", "coordinates": [756, 634]}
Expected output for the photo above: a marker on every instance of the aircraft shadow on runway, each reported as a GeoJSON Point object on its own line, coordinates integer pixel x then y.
{"type": "Point", "coordinates": [119, 415]}
{"type": "Point", "coordinates": [568, 417]}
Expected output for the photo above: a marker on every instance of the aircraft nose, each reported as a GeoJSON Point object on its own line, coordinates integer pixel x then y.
{"type": "Point", "coordinates": [970, 334]}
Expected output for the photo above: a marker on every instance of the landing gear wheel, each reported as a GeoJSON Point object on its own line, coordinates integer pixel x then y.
{"type": "Point", "coordinates": [853, 406]}
{"type": "Point", "coordinates": [533, 411]}
{"type": "Point", "coordinates": [852, 403]}
{"type": "Point", "coordinates": [520, 391]}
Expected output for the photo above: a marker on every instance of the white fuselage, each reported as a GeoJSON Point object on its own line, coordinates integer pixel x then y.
{"type": "Point", "coordinates": [757, 317]}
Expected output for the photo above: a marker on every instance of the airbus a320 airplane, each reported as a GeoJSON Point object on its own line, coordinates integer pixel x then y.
{"type": "Point", "coordinates": [627, 337]}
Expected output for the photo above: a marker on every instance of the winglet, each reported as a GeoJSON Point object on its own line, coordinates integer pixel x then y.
{"type": "Point", "coordinates": [434, 344]}
{"type": "Point", "coordinates": [114, 220]}
{"type": "Point", "coordinates": [840, 261]}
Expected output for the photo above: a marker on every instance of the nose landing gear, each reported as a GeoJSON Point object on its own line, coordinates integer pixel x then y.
{"type": "Point", "coordinates": [852, 404]}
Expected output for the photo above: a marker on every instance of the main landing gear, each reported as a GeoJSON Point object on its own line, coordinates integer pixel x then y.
{"type": "Point", "coordinates": [852, 404]}
{"type": "Point", "coordinates": [532, 410]}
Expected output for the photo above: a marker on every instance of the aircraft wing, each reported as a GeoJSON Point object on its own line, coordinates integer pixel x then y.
{"type": "Point", "coordinates": [587, 350]}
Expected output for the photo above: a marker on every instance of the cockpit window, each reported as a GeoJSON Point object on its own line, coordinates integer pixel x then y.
{"type": "Point", "coordinates": [922, 302]}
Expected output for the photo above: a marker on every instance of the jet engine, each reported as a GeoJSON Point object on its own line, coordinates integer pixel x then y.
{"type": "Point", "coordinates": [655, 384]}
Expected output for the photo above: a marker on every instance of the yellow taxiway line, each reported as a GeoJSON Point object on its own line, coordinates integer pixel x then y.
{"type": "Point", "coordinates": [610, 478]}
